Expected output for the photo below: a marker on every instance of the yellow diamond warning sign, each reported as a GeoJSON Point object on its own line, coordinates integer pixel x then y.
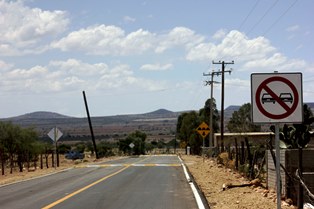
{"type": "Point", "coordinates": [203, 129]}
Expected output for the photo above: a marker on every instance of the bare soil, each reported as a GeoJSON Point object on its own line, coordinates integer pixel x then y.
{"type": "Point", "coordinates": [211, 177]}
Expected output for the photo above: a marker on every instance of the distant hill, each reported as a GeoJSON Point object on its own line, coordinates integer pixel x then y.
{"type": "Point", "coordinates": [160, 112]}
{"type": "Point", "coordinates": [159, 124]}
{"type": "Point", "coordinates": [229, 111]}
{"type": "Point", "coordinates": [39, 115]}
{"type": "Point", "coordinates": [233, 108]}
{"type": "Point", "coordinates": [311, 105]}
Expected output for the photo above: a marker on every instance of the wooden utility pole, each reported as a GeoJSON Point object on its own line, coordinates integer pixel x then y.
{"type": "Point", "coordinates": [211, 83]}
{"type": "Point", "coordinates": [223, 71]}
{"type": "Point", "coordinates": [90, 126]}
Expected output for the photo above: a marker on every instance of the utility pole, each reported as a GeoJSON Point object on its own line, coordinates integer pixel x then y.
{"type": "Point", "coordinates": [211, 83]}
{"type": "Point", "coordinates": [223, 71]}
{"type": "Point", "coordinates": [90, 125]}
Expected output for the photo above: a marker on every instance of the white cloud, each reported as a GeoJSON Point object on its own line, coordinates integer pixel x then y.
{"type": "Point", "coordinates": [220, 34]}
{"type": "Point", "coordinates": [72, 74]}
{"type": "Point", "coordinates": [179, 36]}
{"type": "Point", "coordinates": [129, 19]}
{"type": "Point", "coordinates": [235, 46]}
{"type": "Point", "coordinates": [21, 27]}
{"type": "Point", "coordinates": [266, 62]}
{"type": "Point", "coordinates": [105, 40]}
{"type": "Point", "coordinates": [5, 66]}
{"type": "Point", "coordinates": [112, 40]}
{"type": "Point", "coordinates": [156, 67]}
{"type": "Point", "coordinates": [293, 28]}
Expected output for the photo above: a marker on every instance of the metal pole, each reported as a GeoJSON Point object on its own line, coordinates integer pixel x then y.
{"type": "Point", "coordinates": [55, 139]}
{"type": "Point", "coordinates": [278, 166]}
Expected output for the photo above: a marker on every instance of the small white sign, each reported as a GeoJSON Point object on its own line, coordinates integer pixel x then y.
{"type": "Point", "coordinates": [132, 145]}
{"type": "Point", "coordinates": [55, 134]}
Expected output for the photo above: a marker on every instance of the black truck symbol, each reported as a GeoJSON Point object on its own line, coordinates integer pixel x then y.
{"type": "Point", "coordinates": [285, 97]}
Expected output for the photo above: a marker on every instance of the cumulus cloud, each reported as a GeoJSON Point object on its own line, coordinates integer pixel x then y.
{"type": "Point", "coordinates": [112, 40]}
{"type": "Point", "coordinates": [235, 45]}
{"type": "Point", "coordinates": [72, 75]}
{"type": "Point", "coordinates": [178, 37]}
{"type": "Point", "coordinates": [156, 67]}
{"type": "Point", "coordinates": [220, 34]}
{"type": "Point", "coordinates": [21, 27]}
{"type": "Point", "coordinates": [105, 40]}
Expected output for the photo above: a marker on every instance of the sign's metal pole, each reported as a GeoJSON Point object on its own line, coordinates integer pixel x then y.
{"type": "Point", "coordinates": [278, 166]}
{"type": "Point", "coordinates": [55, 139]}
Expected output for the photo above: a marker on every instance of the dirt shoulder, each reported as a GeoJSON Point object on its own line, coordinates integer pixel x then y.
{"type": "Point", "coordinates": [32, 173]}
{"type": "Point", "coordinates": [211, 177]}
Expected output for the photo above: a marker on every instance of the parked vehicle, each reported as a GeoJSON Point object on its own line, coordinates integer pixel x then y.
{"type": "Point", "coordinates": [74, 155]}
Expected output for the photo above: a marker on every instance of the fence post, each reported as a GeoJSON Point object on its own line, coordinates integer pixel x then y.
{"type": "Point", "coordinates": [242, 159]}
{"type": "Point", "coordinates": [236, 154]}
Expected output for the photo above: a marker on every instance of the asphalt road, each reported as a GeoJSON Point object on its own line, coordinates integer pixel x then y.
{"type": "Point", "coordinates": [148, 182]}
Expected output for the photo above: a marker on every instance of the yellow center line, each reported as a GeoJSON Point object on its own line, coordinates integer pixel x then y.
{"type": "Point", "coordinates": [86, 187]}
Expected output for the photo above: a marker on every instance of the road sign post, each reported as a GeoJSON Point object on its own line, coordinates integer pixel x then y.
{"type": "Point", "coordinates": [203, 130]}
{"type": "Point", "coordinates": [55, 134]}
{"type": "Point", "coordinates": [277, 98]}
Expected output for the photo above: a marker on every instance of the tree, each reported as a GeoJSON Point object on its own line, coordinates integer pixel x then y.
{"type": "Point", "coordinates": [10, 142]}
{"type": "Point", "coordinates": [297, 135]}
{"type": "Point", "coordinates": [241, 121]}
{"type": "Point", "coordinates": [138, 139]}
{"type": "Point", "coordinates": [205, 116]}
{"type": "Point", "coordinates": [25, 147]}
{"type": "Point", "coordinates": [186, 126]}
{"type": "Point", "coordinates": [64, 148]}
{"type": "Point", "coordinates": [17, 145]}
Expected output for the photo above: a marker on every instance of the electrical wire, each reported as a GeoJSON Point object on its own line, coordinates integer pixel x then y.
{"type": "Point", "coordinates": [279, 18]}
{"type": "Point", "coordinates": [249, 14]}
{"type": "Point", "coordinates": [261, 19]}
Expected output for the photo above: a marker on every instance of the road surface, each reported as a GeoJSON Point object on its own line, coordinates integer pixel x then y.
{"type": "Point", "coordinates": [146, 182]}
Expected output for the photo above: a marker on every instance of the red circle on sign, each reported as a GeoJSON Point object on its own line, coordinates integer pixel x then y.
{"type": "Point", "coordinates": [289, 110]}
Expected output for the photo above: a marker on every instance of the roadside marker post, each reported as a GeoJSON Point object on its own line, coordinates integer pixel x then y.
{"type": "Point", "coordinates": [203, 130]}
{"type": "Point", "coordinates": [276, 98]}
{"type": "Point", "coordinates": [55, 134]}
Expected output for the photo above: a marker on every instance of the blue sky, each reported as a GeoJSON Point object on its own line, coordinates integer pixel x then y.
{"type": "Point", "coordinates": [139, 56]}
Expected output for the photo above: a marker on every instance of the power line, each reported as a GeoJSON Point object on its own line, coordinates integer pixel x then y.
{"type": "Point", "coordinates": [273, 24]}
{"type": "Point", "coordinates": [277, 20]}
{"type": "Point", "coordinates": [260, 20]}
{"type": "Point", "coordinates": [249, 14]}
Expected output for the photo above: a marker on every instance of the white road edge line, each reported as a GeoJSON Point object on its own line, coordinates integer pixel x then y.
{"type": "Point", "coordinates": [194, 190]}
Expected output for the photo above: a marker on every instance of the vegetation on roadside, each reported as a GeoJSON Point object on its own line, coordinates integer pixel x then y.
{"type": "Point", "coordinates": [188, 123]}
{"type": "Point", "coordinates": [20, 146]}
